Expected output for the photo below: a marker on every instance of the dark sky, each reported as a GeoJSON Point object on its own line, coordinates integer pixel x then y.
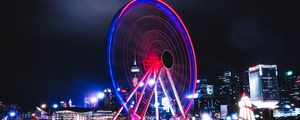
{"type": "Point", "coordinates": [53, 50]}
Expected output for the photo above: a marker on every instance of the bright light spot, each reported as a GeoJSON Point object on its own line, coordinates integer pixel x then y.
{"type": "Point", "coordinates": [205, 116]}
{"type": "Point", "coordinates": [198, 81]}
{"type": "Point", "coordinates": [234, 117]}
{"type": "Point", "coordinates": [55, 106]}
{"type": "Point", "coordinates": [118, 89]}
{"type": "Point", "coordinates": [33, 115]}
{"type": "Point", "coordinates": [228, 118]}
{"type": "Point", "coordinates": [43, 106]}
{"type": "Point", "coordinates": [269, 104]}
{"type": "Point", "coordinates": [131, 106]}
{"type": "Point", "coordinates": [100, 95]}
{"type": "Point", "coordinates": [151, 82]}
{"type": "Point", "coordinates": [94, 99]}
{"type": "Point", "coordinates": [289, 73]}
{"type": "Point", "coordinates": [156, 104]}
{"type": "Point", "coordinates": [256, 116]}
{"type": "Point", "coordinates": [196, 95]}
{"type": "Point", "coordinates": [141, 84]}
{"type": "Point", "coordinates": [12, 114]}
{"type": "Point", "coordinates": [287, 106]}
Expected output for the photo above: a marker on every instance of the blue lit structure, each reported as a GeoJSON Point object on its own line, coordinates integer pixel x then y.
{"type": "Point", "coordinates": [264, 92]}
{"type": "Point", "coordinates": [182, 34]}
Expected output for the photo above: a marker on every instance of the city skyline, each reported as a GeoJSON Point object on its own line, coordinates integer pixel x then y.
{"type": "Point", "coordinates": [64, 49]}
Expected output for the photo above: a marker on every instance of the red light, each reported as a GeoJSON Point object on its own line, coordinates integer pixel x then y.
{"type": "Point", "coordinates": [298, 81]}
{"type": "Point", "coordinates": [124, 91]}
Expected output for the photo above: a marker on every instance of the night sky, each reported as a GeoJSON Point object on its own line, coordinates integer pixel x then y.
{"type": "Point", "coordinates": [53, 50]}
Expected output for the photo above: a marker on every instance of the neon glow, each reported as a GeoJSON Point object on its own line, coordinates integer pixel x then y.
{"type": "Point", "coordinates": [153, 61]}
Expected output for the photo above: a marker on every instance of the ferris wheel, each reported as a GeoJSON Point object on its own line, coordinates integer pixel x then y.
{"type": "Point", "coordinates": [150, 52]}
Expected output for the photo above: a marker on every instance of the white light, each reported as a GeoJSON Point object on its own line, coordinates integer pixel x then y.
{"type": "Point", "coordinates": [141, 84]}
{"type": "Point", "coordinates": [198, 81]}
{"type": "Point", "coordinates": [269, 104]}
{"type": "Point", "coordinates": [107, 90]}
{"type": "Point", "coordinates": [151, 82]}
{"type": "Point", "coordinates": [100, 95]}
{"type": "Point", "coordinates": [234, 117]}
{"type": "Point", "coordinates": [118, 89]}
{"type": "Point", "coordinates": [287, 106]}
{"type": "Point", "coordinates": [189, 96]}
{"type": "Point", "coordinates": [156, 104]}
{"type": "Point", "coordinates": [205, 116]}
{"type": "Point", "coordinates": [12, 114]}
{"type": "Point", "coordinates": [55, 106]}
{"type": "Point", "coordinates": [256, 116]}
{"type": "Point", "coordinates": [43, 106]}
{"type": "Point", "coordinates": [196, 95]}
{"type": "Point", "coordinates": [228, 118]}
{"type": "Point", "coordinates": [94, 99]}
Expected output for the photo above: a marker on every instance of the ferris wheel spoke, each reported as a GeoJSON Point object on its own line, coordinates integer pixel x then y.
{"type": "Point", "coordinates": [151, 95]}
{"type": "Point", "coordinates": [131, 94]}
{"type": "Point", "coordinates": [175, 93]}
{"type": "Point", "coordinates": [141, 94]}
{"type": "Point", "coordinates": [167, 96]}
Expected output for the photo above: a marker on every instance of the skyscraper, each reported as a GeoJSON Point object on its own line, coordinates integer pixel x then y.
{"type": "Point", "coordinates": [264, 92]}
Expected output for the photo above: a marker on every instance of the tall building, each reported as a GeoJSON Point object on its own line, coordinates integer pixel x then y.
{"type": "Point", "coordinates": [264, 92]}
{"type": "Point", "coordinates": [204, 101]}
{"type": "Point", "coordinates": [292, 88]}
{"type": "Point", "coordinates": [230, 90]}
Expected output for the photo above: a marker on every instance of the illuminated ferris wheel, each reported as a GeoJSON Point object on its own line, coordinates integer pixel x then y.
{"type": "Point", "coordinates": [149, 35]}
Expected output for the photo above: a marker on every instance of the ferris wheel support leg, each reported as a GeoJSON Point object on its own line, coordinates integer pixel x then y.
{"type": "Point", "coordinates": [167, 96]}
{"type": "Point", "coordinates": [131, 94]}
{"type": "Point", "coordinates": [156, 98]}
{"type": "Point", "coordinates": [141, 94]}
{"type": "Point", "coordinates": [149, 99]}
{"type": "Point", "coordinates": [175, 93]}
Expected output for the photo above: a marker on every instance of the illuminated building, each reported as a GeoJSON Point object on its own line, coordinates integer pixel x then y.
{"type": "Point", "coordinates": [204, 99]}
{"type": "Point", "coordinates": [230, 91]}
{"type": "Point", "coordinates": [264, 92]}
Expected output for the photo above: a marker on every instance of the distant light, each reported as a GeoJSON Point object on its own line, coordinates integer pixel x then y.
{"type": "Point", "coordinates": [234, 117]}
{"type": "Point", "coordinates": [100, 95]}
{"type": "Point", "coordinates": [55, 106]}
{"type": "Point", "coordinates": [156, 104]}
{"type": "Point", "coordinates": [43, 106]}
{"type": "Point", "coordinates": [195, 95]}
{"type": "Point", "coordinates": [141, 84]}
{"type": "Point", "coordinates": [118, 89]}
{"type": "Point", "coordinates": [12, 114]}
{"type": "Point", "coordinates": [289, 73]}
{"type": "Point", "coordinates": [256, 116]}
{"type": "Point", "coordinates": [287, 106]}
{"type": "Point", "coordinates": [151, 82]}
{"type": "Point", "coordinates": [33, 114]}
{"type": "Point", "coordinates": [198, 81]}
{"type": "Point", "coordinates": [205, 116]}
{"type": "Point", "coordinates": [228, 118]}
{"type": "Point", "coordinates": [108, 90]}
{"type": "Point", "coordinates": [94, 99]}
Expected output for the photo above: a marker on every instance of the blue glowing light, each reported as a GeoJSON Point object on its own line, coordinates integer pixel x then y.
{"type": "Point", "coordinates": [100, 95]}
{"type": "Point", "coordinates": [12, 114]}
{"type": "Point", "coordinates": [55, 106]}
